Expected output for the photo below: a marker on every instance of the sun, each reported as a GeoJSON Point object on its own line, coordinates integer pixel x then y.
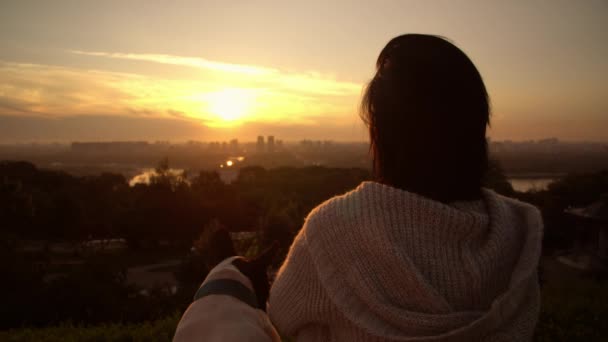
{"type": "Point", "coordinates": [230, 105]}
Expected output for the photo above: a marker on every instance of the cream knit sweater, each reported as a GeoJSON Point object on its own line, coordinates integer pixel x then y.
{"type": "Point", "coordinates": [383, 264]}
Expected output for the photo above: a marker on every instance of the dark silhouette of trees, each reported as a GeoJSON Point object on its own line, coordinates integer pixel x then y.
{"type": "Point", "coordinates": [574, 190]}
{"type": "Point", "coordinates": [495, 179]}
{"type": "Point", "coordinates": [41, 207]}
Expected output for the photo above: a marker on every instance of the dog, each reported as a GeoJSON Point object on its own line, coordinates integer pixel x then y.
{"type": "Point", "coordinates": [230, 304]}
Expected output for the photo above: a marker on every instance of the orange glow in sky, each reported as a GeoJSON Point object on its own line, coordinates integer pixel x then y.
{"type": "Point", "coordinates": [229, 105]}
{"type": "Point", "coordinates": [83, 70]}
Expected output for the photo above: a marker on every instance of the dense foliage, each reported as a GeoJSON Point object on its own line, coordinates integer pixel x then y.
{"type": "Point", "coordinates": [158, 330]}
{"type": "Point", "coordinates": [46, 208]}
{"type": "Point", "coordinates": [85, 294]}
{"type": "Point", "coordinates": [574, 190]}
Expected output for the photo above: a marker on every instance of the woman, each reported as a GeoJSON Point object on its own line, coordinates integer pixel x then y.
{"type": "Point", "coordinates": [423, 252]}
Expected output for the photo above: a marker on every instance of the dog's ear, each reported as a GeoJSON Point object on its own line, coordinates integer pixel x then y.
{"type": "Point", "coordinates": [264, 259]}
{"type": "Point", "coordinates": [220, 246]}
{"type": "Point", "coordinates": [256, 270]}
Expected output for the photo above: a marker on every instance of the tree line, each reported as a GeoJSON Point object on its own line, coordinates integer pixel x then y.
{"type": "Point", "coordinates": [170, 215]}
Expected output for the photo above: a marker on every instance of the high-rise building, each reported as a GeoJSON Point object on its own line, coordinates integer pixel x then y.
{"type": "Point", "coordinates": [260, 146]}
{"type": "Point", "coordinates": [271, 143]}
{"type": "Point", "coordinates": [234, 146]}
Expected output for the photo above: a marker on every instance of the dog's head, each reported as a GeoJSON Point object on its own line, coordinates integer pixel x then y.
{"type": "Point", "coordinates": [255, 269]}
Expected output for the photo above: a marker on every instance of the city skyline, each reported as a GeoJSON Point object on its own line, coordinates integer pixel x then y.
{"type": "Point", "coordinates": [84, 71]}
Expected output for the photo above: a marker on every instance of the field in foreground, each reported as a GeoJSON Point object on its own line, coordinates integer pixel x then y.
{"type": "Point", "coordinates": [160, 330]}
{"type": "Point", "coordinates": [574, 308]}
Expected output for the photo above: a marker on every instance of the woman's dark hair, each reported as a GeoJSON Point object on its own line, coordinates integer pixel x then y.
{"type": "Point", "coordinates": [427, 110]}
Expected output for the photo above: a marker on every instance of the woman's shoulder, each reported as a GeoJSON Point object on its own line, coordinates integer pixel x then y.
{"type": "Point", "coordinates": [511, 203]}
{"type": "Point", "coordinates": [339, 203]}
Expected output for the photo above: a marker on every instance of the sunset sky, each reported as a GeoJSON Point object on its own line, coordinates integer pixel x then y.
{"type": "Point", "coordinates": [214, 70]}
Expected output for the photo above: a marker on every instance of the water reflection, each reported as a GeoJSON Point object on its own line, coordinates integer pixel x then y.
{"type": "Point", "coordinates": [229, 170]}
{"type": "Point", "coordinates": [530, 184]}
{"type": "Point", "coordinates": [232, 162]}
{"type": "Point", "coordinates": [146, 175]}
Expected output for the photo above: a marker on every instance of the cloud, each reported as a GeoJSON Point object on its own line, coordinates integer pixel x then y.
{"type": "Point", "coordinates": [15, 106]}
{"type": "Point", "coordinates": [58, 91]}
{"type": "Point", "coordinates": [274, 98]}
{"type": "Point", "coordinates": [46, 102]}
{"type": "Point", "coordinates": [26, 128]}
{"type": "Point", "coordinates": [272, 95]}
{"type": "Point", "coordinates": [194, 62]}
{"type": "Point", "coordinates": [303, 82]}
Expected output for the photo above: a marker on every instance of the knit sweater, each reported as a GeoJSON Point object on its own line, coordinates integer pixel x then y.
{"type": "Point", "coordinates": [383, 264]}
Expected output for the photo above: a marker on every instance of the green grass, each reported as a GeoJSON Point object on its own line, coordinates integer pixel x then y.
{"type": "Point", "coordinates": [573, 309]}
{"type": "Point", "coordinates": [160, 330]}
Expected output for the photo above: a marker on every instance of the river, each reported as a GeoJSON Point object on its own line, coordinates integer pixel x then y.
{"type": "Point", "coordinates": [527, 184]}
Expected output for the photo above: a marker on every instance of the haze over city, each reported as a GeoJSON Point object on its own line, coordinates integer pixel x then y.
{"type": "Point", "coordinates": [317, 170]}
{"type": "Point", "coordinates": [149, 70]}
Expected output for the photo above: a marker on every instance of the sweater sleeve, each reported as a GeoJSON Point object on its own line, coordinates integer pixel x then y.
{"type": "Point", "coordinates": [297, 302]}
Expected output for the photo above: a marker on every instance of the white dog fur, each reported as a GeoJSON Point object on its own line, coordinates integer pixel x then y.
{"type": "Point", "coordinates": [219, 317]}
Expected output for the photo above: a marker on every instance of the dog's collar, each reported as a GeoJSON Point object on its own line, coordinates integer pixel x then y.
{"type": "Point", "coordinates": [228, 287]}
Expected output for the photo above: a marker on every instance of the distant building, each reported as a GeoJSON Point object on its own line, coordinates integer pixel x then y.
{"type": "Point", "coordinates": [260, 145]}
{"type": "Point", "coordinates": [214, 146]}
{"type": "Point", "coordinates": [234, 146]}
{"type": "Point", "coordinates": [112, 146]}
{"type": "Point", "coordinates": [271, 143]}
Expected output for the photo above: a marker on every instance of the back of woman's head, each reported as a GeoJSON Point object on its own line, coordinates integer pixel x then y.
{"type": "Point", "coordinates": [427, 110]}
